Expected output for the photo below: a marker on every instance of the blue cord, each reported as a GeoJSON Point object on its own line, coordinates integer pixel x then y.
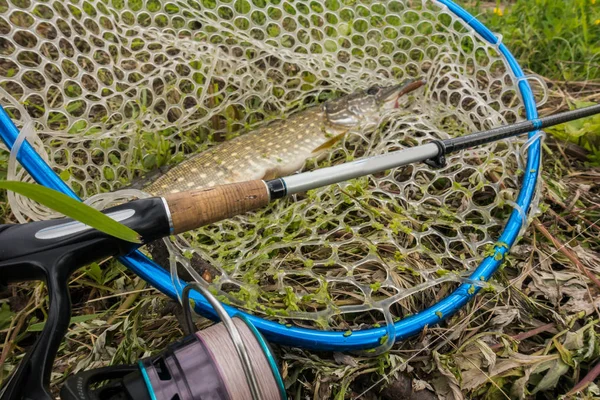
{"type": "Point", "coordinates": [147, 381]}
{"type": "Point", "coordinates": [329, 340]}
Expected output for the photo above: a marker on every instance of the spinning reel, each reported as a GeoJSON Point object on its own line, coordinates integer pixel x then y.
{"type": "Point", "coordinates": [230, 360]}
{"type": "Point", "coordinates": [200, 366]}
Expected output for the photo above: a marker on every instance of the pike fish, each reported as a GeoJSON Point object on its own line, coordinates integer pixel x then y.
{"type": "Point", "coordinates": [282, 147]}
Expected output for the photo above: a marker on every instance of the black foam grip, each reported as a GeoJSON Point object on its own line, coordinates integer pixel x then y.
{"type": "Point", "coordinates": [149, 219]}
{"type": "Point", "coordinates": [51, 251]}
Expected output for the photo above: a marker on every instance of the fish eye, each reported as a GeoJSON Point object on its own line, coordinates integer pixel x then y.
{"type": "Point", "coordinates": [373, 90]}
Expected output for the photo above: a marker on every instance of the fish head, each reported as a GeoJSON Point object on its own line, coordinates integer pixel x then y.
{"type": "Point", "coordinates": [367, 106]}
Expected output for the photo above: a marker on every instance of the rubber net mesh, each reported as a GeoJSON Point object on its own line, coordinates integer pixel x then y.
{"type": "Point", "coordinates": [111, 88]}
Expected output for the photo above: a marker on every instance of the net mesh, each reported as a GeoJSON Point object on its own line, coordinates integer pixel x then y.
{"type": "Point", "coordinates": [112, 88]}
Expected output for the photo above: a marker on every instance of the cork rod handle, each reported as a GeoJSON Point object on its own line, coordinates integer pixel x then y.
{"type": "Point", "coordinates": [196, 208]}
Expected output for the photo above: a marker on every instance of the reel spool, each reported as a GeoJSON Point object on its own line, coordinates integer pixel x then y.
{"type": "Point", "coordinates": [227, 361]}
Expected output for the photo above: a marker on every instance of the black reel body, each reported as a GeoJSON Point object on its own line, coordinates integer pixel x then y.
{"type": "Point", "coordinates": [50, 251]}
{"type": "Point", "coordinates": [185, 371]}
{"type": "Point", "coordinates": [123, 382]}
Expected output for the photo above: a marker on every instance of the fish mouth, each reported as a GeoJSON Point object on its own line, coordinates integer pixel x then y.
{"type": "Point", "coordinates": [393, 93]}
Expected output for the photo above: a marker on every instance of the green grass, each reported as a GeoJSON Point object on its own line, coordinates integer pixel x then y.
{"type": "Point", "coordinates": [556, 39]}
{"type": "Point", "coordinates": [584, 133]}
{"type": "Point", "coordinates": [72, 208]}
{"type": "Point", "coordinates": [559, 40]}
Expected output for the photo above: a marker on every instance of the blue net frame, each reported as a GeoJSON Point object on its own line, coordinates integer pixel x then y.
{"type": "Point", "coordinates": [330, 340]}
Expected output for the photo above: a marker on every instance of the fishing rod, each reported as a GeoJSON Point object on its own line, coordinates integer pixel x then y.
{"type": "Point", "coordinates": [196, 208]}
{"type": "Point", "coordinates": [52, 250]}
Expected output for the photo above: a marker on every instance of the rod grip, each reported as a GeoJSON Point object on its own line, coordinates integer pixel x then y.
{"type": "Point", "coordinates": [196, 208]}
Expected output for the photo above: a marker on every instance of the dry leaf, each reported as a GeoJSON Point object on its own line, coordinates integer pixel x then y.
{"type": "Point", "coordinates": [450, 378]}
{"type": "Point", "coordinates": [344, 359]}
{"type": "Point", "coordinates": [549, 381]}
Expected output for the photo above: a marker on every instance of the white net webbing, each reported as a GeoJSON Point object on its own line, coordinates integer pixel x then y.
{"type": "Point", "coordinates": [115, 87]}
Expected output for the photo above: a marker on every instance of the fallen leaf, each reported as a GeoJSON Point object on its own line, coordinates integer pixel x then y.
{"type": "Point", "coordinates": [487, 353]}
{"type": "Point", "coordinates": [518, 389]}
{"type": "Point", "coordinates": [551, 377]}
{"type": "Point", "coordinates": [450, 378]}
{"type": "Point", "coordinates": [504, 316]}
{"type": "Point", "coordinates": [474, 377]}
{"type": "Point", "coordinates": [344, 359]}
{"type": "Point", "coordinates": [5, 315]}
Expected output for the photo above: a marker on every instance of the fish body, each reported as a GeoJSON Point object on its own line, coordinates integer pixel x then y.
{"type": "Point", "coordinates": [278, 149]}
{"type": "Point", "coordinates": [282, 147]}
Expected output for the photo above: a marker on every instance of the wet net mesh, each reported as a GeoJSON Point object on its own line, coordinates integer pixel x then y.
{"type": "Point", "coordinates": [109, 89]}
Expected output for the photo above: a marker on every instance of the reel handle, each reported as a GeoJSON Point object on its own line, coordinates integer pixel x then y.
{"type": "Point", "coordinates": [31, 379]}
{"type": "Point", "coordinates": [124, 381]}
{"type": "Point", "coordinates": [51, 251]}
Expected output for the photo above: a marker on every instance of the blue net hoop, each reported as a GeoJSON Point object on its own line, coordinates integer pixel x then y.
{"type": "Point", "coordinates": [333, 340]}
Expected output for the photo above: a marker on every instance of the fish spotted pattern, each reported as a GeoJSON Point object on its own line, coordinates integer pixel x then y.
{"type": "Point", "coordinates": [282, 147]}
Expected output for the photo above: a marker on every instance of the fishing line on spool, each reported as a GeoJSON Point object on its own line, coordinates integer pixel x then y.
{"type": "Point", "coordinates": [253, 356]}
{"type": "Point", "coordinates": [234, 334]}
{"type": "Point", "coordinates": [226, 361]}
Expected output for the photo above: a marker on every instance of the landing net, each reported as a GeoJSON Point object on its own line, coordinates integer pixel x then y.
{"type": "Point", "coordinates": [111, 89]}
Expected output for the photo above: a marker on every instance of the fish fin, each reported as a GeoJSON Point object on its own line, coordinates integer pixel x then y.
{"type": "Point", "coordinates": [271, 173]}
{"type": "Point", "coordinates": [142, 181]}
{"type": "Point", "coordinates": [328, 144]}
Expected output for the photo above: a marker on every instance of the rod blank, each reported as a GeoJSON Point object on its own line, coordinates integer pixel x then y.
{"type": "Point", "coordinates": [355, 169]}
{"type": "Point", "coordinates": [190, 210]}
{"type": "Point", "coordinates": [429, 151]}
{"type": "Point", "coordinates": [504, 132]}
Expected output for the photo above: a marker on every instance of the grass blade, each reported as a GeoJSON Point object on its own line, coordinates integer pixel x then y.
{"type": "Point", "coordinates": [38, 327]}
{"type": "Point", "coordinates": [72, 208]}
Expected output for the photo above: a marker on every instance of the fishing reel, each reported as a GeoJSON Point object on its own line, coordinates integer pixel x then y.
{"type": "Point", "coordinates": [227, 361]}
